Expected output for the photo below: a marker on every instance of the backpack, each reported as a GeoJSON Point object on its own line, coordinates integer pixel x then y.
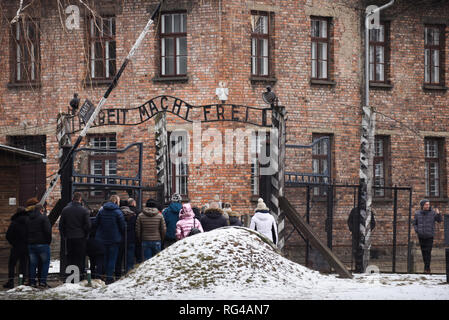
{"type": "Point", "coordinates": [194, 230]}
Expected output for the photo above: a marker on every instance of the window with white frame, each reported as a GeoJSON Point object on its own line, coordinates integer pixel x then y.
{"type": "Point", "coordinates": [381, 166]}
{"type": "Point", "coordinates": [433, 54]}
{"type": "Point", "coordinates": [255, 168]}
{"type": "Point", "coordinates": [102, 47]}
{"type": "Point", "coordinates": [103, 163]}
{"type": "Point", "coordinates": [260, 43]}
{"type": "Point", "coordinates": [25, 51]}
{"type": "Point", "coordinates": [378, 53]}
{"type": "Point", "coordinates": [173, 42]}
{"type": "Point", "coordinates": [320, 161]}
{"type": "Point", "coordinates": [320, 48]}
{"type": "Point", "coordinates": [178, 167]}
{"type": "Point", "coordinates": [434, 166]}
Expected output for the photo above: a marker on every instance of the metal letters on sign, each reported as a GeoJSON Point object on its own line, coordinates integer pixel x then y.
{"type": "Point", "coordinates": [86, 110]}
{"type": "Point", "coordinates": [206, 113]}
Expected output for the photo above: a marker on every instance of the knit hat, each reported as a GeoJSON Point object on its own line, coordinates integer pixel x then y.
{"type": "Point", "coordinates": [422, 202]}
{"type": "Point", "coordinates": [187, 209]}
{"type": "Point", "coordinates": [227, 207]}
{"type": "Point", "coordinates": [32, 202]}
{"type": "Point", "coordinates": [176, 197]}
{"type": "Point", "coordinates": [261, 205]}
{"type": "Point", "coordinates": [152, 204]}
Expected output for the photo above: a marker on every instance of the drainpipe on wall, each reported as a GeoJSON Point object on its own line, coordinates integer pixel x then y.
{"type": "Point", "coordinates": [367, 152]}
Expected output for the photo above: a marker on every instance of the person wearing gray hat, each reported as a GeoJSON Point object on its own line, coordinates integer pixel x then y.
{"type": "Point", "coordinates": [171, 217]}
{"type": "Point", "coordinates": [424, 225]}
{"type": "Point", "coordinates": [176, 197]}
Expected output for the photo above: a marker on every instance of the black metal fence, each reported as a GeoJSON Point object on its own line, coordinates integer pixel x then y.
{"type": "Point", "coordinates": [393, 240]}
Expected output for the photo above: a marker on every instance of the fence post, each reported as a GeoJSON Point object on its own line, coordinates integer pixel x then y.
{"type": "Point", "coordinates": [446, 242]}
{"type": "Point", "coordinates": [395, 217]}
{"type": "Point", "coordinates": [447, 265]}
{"type": "Point", "coordinates": [89, 278]}
{"type": "Point", "coordinates": [409, 245]}
{"type": "Point", "coordinates": [66, 197]}
{"type": "Point", "coordinates": [308, 221]}
{"type": "Point", "coordinates": [330, 207]}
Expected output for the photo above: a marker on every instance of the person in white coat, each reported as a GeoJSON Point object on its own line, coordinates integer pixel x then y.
{"type": "Point", "coordinates": [263, 222]}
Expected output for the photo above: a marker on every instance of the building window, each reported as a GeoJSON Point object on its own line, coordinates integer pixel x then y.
{"type": "Point", "coordinates": [173, 37]}
{"type": "Point", "coordinates": [102, 163]}
{"type": "Point", "coordinates": [102, 47]}
{"type": "Point", "coordinates": [320, 48]}
{"type": "Point", "coordinates": [260, 44]}
{"type": "Point", "coordinates": [178, 165]}
{"type": "Point", "coordinates": [26, 63]}
{"type": "Point", "coordinates": [257, 141]}
{"type": "Point", "coordinates": [255, 169]}
{"type": "Point", "coordinates": [321, 152]}
{"type": "Point", "coordinates": [381, 166]}
{"type": "Point", "coordinates": [31, 174]}
{"type": "Point", "coordinates": [434, 167]}
{"type": "Point", "coordinates": [377, 53]}
{"type": "Point", "coordinates": [433, 54]}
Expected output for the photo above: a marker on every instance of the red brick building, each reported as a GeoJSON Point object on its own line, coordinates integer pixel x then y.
{"type": "Point", "coordinates": [310, 51]}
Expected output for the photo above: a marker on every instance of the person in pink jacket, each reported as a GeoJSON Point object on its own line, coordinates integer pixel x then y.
{"type": "Point", "coordinates": [186, 222]}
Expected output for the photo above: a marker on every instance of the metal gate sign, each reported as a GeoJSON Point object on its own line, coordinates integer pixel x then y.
{"type": "Point", "coordinates": [206, 113]}
{"type": "Point", "coordinates": [86, 110]}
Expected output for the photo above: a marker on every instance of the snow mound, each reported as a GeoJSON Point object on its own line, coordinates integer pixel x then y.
{"type": "Point", "coordinates": [224, 259]}
{"type": "Point", "coordinates": [237, 263]}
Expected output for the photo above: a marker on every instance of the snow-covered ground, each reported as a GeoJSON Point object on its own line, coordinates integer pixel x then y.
{"type": "Point", "coordinates": [237, 264]}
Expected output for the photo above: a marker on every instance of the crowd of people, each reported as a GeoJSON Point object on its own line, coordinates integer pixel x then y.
{"type": "Point", "coordinates": [117, 236]}
{"type": "Point", "coordinates": [30, 236]}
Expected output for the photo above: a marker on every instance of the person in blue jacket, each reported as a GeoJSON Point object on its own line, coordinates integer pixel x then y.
{"type": "Point", "coordinates": [110, 224]}
{"type": "Point", "coordinates": [171, 217]}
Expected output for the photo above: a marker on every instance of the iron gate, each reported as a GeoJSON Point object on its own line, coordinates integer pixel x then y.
{"type": "Point", "coordinates": [315, 193]}
{"type": "Point", "coordinates": [391, 243]}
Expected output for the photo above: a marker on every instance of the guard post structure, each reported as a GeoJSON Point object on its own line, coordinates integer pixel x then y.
{"type": "Point", "coordinates": [278, 178]}
{"type": "Point", "coordinates": [66, 197]}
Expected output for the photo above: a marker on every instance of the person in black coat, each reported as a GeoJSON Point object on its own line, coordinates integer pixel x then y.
{"type": "Point", "coordinates": [197, 212]}
{"type": "Point", "coordinates": [17, 237]}
{"type": "Point", "coordinates": [354, 221]}
{"type": "Point", "coordinates": [74, 226]}
{"type": "Point", "coordinates": [424, 224]}
{"type": "Point", "coordinates": [95, 250]}
{"type": "Point", "coordinates": [213, 218]}
{"type": "Point", "coordinates": [137, 245]}
{"type": "Point", "coordinates": [234, 217]}
{"type": "Point", "coordinates": [39, 239]}
{"type": "Point", "coordinates": [127, 246]}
